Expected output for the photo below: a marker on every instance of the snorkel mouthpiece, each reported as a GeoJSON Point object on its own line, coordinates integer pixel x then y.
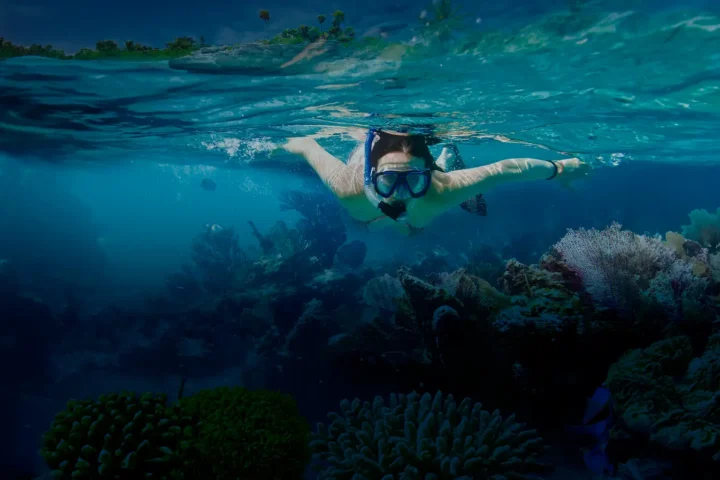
{"type": "Point", "coordinates": [393, 211]}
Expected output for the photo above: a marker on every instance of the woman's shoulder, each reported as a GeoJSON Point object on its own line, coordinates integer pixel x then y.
{"type": "Point", "coordinates": [357, 156]}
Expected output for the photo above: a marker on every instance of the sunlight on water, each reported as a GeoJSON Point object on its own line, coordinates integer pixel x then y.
{"type": "Point", "coordinates": [607, 86]}
{"type": "Point", "coordinates": [243, 151]}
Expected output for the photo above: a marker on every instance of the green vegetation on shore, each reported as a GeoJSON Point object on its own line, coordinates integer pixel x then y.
{"type": "Point", "coordinates": [305, 33]}
{"type": "Point", "coordinates": [181, 46]}
{"type": "Point", "coordinates": [105, 49]}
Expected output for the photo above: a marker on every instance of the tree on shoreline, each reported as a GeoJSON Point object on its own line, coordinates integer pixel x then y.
{"type": "Point", "coordinates": [265, 16]}
{"type": "Point", "coordinates": [103, 49]}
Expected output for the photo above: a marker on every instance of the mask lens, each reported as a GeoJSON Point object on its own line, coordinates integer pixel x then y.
{"type": "Point", "coordinates": [384, 183]}
{"type": "Point", "coordinates": [417, 182]}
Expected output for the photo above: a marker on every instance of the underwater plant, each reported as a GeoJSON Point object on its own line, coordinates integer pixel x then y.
{"type": "Point", "coordinates": [253, 434]}
{"type": "Point", "coordinates": [424, 437]}
{"type": "Point", "coordinates": [121, 436]}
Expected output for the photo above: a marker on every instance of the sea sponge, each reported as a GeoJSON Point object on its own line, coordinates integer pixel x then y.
{"type": "Point", "coordinates": [120, 436]}
{"type": "Point", "coordinates": [249, 434]}
{"type": "Point", "coordinates": [424, 437]}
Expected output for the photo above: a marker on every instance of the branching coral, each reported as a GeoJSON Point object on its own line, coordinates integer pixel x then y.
{"type": "Point", "coordinates": [424, 437]}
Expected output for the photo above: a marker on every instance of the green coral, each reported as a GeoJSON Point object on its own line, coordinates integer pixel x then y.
{"type": "Point", "coordinates": [663, 392]}
{"type": "Point", "coordinates": [424, 437]}
{"type": "Point", "coordinates": [250, 434]}
{"type": "Point", "coordinates": [120, 436]}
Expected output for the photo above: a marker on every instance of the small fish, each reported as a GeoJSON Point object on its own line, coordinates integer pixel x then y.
{"type": "Point", "coordinates": [475, 205]}
{"type": "Point", "coordinates": [208, 184]}
{"type": "Point", "coordinates": [596, 460]}
{"type": "Point", "coordinates": [598, 419]}
{"type": "Point", "coordinates": [599, 401]}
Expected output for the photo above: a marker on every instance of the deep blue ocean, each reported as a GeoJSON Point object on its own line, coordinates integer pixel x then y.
{"type": "Point", "coordinates": [111, 279]}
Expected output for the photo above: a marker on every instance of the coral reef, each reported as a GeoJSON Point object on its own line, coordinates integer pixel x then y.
{"type": "Point", "coordinates": [665, 394]}
{"type": "Point", "coordinates": [223, 433]}
{"type": "Point", "coordinates": [302, 308]}
{"type": "Point", "coordinates": [423, 437]}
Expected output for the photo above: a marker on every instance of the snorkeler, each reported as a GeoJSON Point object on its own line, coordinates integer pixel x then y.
{"type": "Point", "coordinates": [392, 179]}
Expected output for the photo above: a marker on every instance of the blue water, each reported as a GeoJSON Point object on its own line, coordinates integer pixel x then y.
{"type": "Point", "coordinates": [101, 162]}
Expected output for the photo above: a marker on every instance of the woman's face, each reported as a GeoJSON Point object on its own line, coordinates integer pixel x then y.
{"type": "Point", "coordinates": [400, 162]}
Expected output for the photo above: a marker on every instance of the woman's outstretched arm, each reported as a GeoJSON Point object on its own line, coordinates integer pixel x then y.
{"type": "Point", "coordinates": [333, 172]}
{"type": "Point", "coordinates": [460, 185]}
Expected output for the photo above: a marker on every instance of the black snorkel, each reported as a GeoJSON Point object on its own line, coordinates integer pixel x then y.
{"type": "Point", "coordinates": [394, 211]}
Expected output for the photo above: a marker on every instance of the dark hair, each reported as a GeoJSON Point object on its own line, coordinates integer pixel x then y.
{"type": "Point", "coordinates": [415, 145]}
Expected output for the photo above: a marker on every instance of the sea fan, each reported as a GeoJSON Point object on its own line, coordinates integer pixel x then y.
{"type": "Point", "coordinates": [384, 292]}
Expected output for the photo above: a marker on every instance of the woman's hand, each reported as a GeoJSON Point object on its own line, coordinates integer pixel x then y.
{"type": "Point", "coordinates": [298, 145]}
{"type": "Point", "coordinates": [571, 169]}
{"type": "Point", "coordinates": [294, 145]}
